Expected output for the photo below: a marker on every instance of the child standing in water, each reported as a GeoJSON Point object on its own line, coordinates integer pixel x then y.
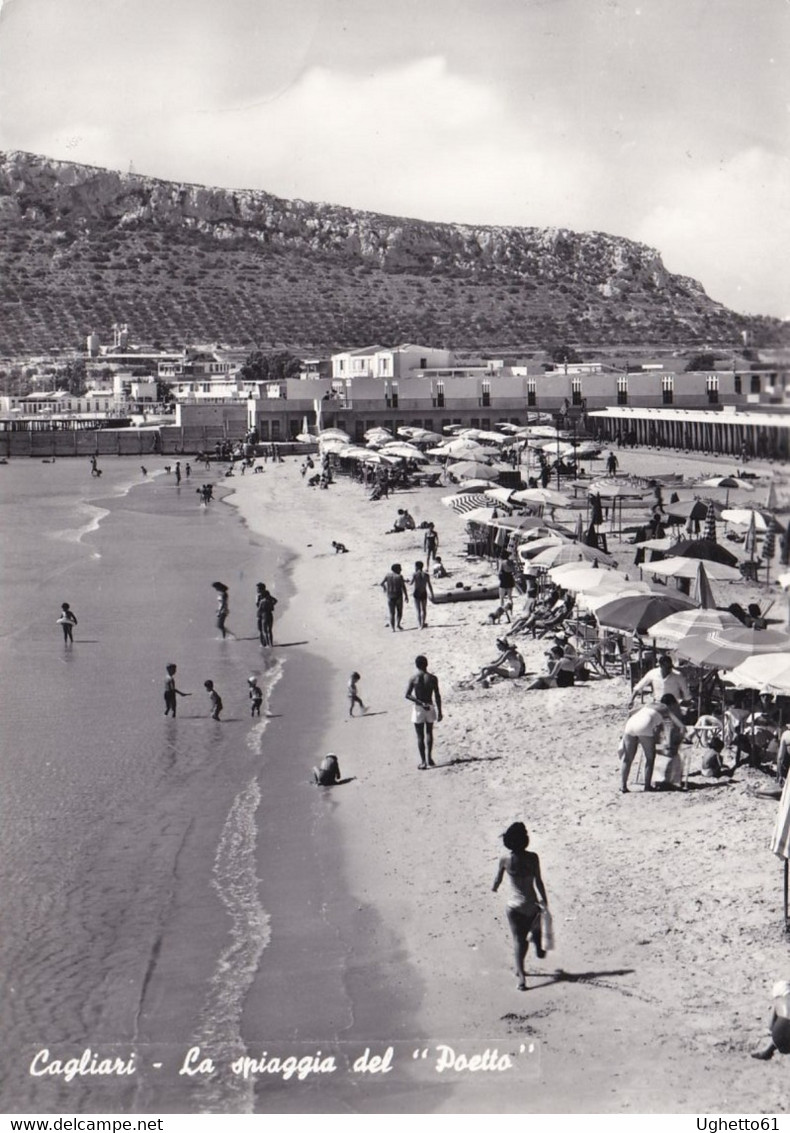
{"type": "Point", "coordinates": [171, 691]}
{"type": "Point", "coordinates": [216, 699]}
{"type": "Point", "coordinates": [67, 621]}
{"type": "Point", "coordinates": [256, 695]}
{"type": "Point", "coordinates": [353, 694]}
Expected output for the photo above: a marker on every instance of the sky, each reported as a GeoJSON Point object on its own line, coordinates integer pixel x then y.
{"type": "Point", "coordinates": [664, 121]}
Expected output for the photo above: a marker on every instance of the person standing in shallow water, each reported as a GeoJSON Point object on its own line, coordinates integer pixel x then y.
{"type": "Point", "coordinates": [171, 691]}
{"type": "Point", "coordinates": [527, 898]}
{"type": "Point", "coordinates": [423, 692]}
{"type": "Point", "coordinates": [67, 621]}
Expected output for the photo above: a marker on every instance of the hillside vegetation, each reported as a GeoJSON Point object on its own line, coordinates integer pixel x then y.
{"type": "Point", "coordinates": [83, 248]}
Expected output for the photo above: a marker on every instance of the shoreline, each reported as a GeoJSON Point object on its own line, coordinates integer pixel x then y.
{"type": "Point", "coordinates": [420, 849]}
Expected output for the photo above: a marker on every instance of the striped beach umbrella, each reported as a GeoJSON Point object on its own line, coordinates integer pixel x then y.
{"type": "Point", "coordinates": [710, 524]}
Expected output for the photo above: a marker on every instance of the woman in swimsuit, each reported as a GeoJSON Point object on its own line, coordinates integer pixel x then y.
{"type": "Point", "coordinates": [527, 898]}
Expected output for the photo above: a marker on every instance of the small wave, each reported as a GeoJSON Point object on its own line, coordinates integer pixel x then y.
{"type": "Point", "coordinates": [77, 534]}
{"type": "Point", "coordinates": [236, 881]}
{"type": "Point", "coordinates": [267, 680]}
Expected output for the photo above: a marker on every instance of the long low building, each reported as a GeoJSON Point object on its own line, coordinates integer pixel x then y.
{"type": "Point", "coordinates": [729, 430]}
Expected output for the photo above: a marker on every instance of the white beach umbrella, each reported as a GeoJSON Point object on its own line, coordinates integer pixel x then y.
{"type": "Point", "coordinates": [532, 547]}
{"type": "Point", "coordinates": [410, 452]}
{"type": "Point", "coordinates": [541, 496]}
{"type": "Point", "coordinates": [766, 670]}
{"type": "Point", "coordinates": [742, 517]}
{"type": "Point", "coordinates": [332, 444]}
{"type": "Point", "coordinates": [572, 553]}
{"type": "Point", "coordinates": [501, 495]}
{"type": "Point", "coordinates": [677, 566]}
{"type": "Point", "coordinates": [335, 434]}
{"type": "Point", "coordinates": [379, 434]}
{"type": "Point", "coordinates": [482, 514]}
{"type": "Point", "coordinates": [591, 600]}
{"type": "Point", "coordinates": [584, 577]}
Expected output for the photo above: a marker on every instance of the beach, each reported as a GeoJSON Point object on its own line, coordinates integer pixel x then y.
{"type": "Point", "coordinates": [247, 913]}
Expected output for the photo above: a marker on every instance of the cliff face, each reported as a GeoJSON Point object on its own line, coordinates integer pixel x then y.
{"type": "Point", "coordinates": [88, 246]}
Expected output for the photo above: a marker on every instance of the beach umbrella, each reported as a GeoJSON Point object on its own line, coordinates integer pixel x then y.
{"type": "Point", "coordinates": [726, 648]}
{"type": "Point", "coordinates": [473, 469]}
{"type": "Point", "coordinates": [532, 547]}
{"type": "Point", "coordinates": [543, 431]}
{"type": "Point", "coordinates": [578, 530]}
{"type": "Point", "coordinates": [572, 553]}
{"type": "Point", "coordinates": [685, 623]}
{"type": "Point", "coordinates": [703, 594]}
{"type": "Point", "coordinates": [521, 523]}
{"type": "Point", "coordinates": [695, 509]}
{"type": "Point", "coordinates": [592, 600]}
{"type": "Point", "coordinates": [483, 514]}
{"type": "Point", "coordinates": [572, 576]}
{"type": "Point", "coordinates": [748, 517]}
{"type": "Point", "coordinates": [728, 482]}
{"type": "Point", "coordinates": [545, 496]}
{"type": "Point", "coordinates": [636, 613]}
{"type": "Point", "coordinates": [709, 533]}
{"type": "Point", "coordinates": [707, 549]}
{"type": "Point", "coordinates": [379, 435]}
{"type": "Point", "coordinates": [501, 495]}
{"type": "Point", "coordinates": [771, 502]}
{"type": "Point", "coordinates": [408, 452]}
{"type": "Point", "coordinates": [331, 444]}
{"type": "Point", "coordinates": [466, 501]}
{"type": "Point", "coordinates": [679, 566]}
{"type": "Point", "coordinates": [334, 434]}
{"type": "Point", "coordinates": [764, 670]}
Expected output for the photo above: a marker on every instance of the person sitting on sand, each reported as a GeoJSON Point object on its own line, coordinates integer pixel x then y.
{"type": "Point", "coordinates": [328, 771]}
{"type": "Point", "coordinates": [779, 1025]}
{"type": "Point", "coordinates": [712, 763]}
{"type": "Point", "coordinates": [527, 900]}
{"type": "Point", "coordinates": [439, 570]}
{"type": "Point", "coordinates": [509, 664]}
{"type": "Point", "coordinates": [404, 522]}
{"type": "Point", "coordinates": [497, 614]}
{"type": "Point", "coordinates": [561, 671]}
{"type": "Point", "coordinates": [641, 729]}
{"type": "Point", "coordinates": [340, 548]}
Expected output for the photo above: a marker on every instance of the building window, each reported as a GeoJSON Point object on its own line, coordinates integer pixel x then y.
{"type": "Point", "coordinates": [263, 429]}
{"type": "Point", "coordinates": [275, 430]}
{"type": "Point", "coordinates": [668, 389]}
{"type": "Point", "coordinates": [391, 394]}
{"type": "Point", "coordinates": [754, 383]}
{"type": "Point", "coordinates": [293, 427]}
{"type": "Point", "coordinates": [423, 363]}
{"type": "Point", "coordinates": [738, 384]}
{"type": "Point", "coordinates": [576, 390]}
{"type": "Point", "coordinates": [622, 389]}
{"type": "Point", "coordinates": [712, 384]}
{"type": "Point", "coordinates": [440, 395]}
{"type": "Point", "coordinates": [532, 392]}
{"type": "Point", "coordinates": [486, 394]}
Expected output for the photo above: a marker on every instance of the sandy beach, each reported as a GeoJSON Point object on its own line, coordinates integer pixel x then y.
{"type": "Point", "coordinates": [667, 908]}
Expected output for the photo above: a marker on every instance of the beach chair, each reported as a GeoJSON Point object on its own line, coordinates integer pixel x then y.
{"type": "Point", "coordinates": [586, 641]}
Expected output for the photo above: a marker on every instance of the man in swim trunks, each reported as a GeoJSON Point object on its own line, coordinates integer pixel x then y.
{"type": "Point", "coordinates": [423, 692]}
{"type": "Point", "coordinates": [421, 587]}
{"type": "Point", "coordinates": [394, 586]}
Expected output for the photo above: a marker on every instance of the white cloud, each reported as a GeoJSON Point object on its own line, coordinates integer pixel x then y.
{"type": "Point", "coordinates": [729, 226]}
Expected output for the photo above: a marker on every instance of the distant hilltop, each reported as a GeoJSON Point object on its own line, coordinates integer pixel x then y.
{"type": "Point", "coordinates": [85, 247]}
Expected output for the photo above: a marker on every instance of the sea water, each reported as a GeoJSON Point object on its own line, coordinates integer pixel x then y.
{"type": "Point", "coordinates": [173, 897]}
{"type": "Point", "coordinates": [133, 916]}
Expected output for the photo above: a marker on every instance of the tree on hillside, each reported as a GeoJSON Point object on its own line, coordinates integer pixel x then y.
{"type": "Point", "coordinates": [561, 354]}
{"type": "Point", "coordinates": [701, 362]}
{"type": "Point", "coordinates": [275, 366]}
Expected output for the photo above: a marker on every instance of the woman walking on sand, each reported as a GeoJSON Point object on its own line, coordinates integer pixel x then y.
{"type": "Point", "coordinates": [527, 900]}
{"type": "Point", "coordinates": [223, 608]}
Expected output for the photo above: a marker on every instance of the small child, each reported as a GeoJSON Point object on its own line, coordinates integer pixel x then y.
{"type": "Point", "coordinates": [328, 771]}
{"type": "Point", "coordinates": [340, 548]}
{"type": "Point", "coordinates": [216, 699]}
{"type": "Point", "coordinates": [712, 763]}
{"type": "Point", "coordinates": [67, 621]}
{"type": "Point", "coordinates": [438, 568]}
{"type": "Point", "coordinates": [353, 694]}
{"type": "Point", "coordinates": [171, 691]}
{"type": "Point", "coordinates": [256, 695]}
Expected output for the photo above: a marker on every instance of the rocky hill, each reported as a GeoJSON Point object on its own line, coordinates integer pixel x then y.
{"type": "Point", "coordinates": [84, 247]}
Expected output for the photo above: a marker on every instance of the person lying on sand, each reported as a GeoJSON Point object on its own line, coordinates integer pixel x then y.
{"type": "Point", "coordinates": [527, 899]}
